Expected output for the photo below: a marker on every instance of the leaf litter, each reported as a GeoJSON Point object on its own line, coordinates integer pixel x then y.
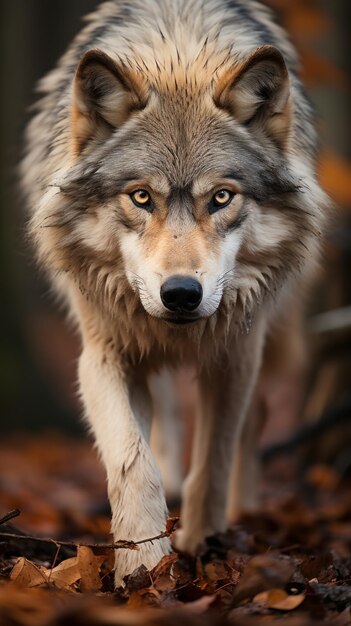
{"type": "Point", "coordinates": [288, 564]}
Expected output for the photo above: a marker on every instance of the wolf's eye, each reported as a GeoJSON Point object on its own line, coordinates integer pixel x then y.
{"type": "Point", "coordinates": [141, 198]}
{"type": "Point", "coordinates": [221, 199]}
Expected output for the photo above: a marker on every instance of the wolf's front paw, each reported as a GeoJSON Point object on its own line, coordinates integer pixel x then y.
{"type": "Point", "coordinates": [148, 554]}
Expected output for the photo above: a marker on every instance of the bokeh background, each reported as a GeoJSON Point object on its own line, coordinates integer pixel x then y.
{"type": "Point", "coordinates": [38, 352]}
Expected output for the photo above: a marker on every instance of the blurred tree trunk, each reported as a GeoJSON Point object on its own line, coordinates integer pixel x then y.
{"type": "Point", "coordinates": [33, 35]}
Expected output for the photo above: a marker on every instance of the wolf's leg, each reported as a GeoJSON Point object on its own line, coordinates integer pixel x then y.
{"type": "Point", "coordinates": [225, 394]}
{"type": "Point", "coordinates": [166, 436]}
{"type": "Point", "coordinates": [243, 490]}
{"type": "Point", "coordinates": [278, 399]}
{"type": "Point", "coordinates": [119, 415]}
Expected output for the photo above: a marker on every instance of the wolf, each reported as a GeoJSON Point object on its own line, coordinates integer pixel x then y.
{"type": "Point", "coordinates": [170, 174]}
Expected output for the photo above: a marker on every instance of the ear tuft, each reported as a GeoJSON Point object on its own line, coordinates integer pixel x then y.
{"type": "Point", "coordinates": [257, 93]}
{"type": "Point", "coordinates": [105, 94]}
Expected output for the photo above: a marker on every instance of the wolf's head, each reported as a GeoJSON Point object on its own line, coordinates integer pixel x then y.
{"type": "Point", "coordinates": [183, 181]}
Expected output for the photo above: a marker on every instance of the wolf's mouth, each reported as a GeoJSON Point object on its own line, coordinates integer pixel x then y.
{"type": "Point", "coordinates": [181, 321]}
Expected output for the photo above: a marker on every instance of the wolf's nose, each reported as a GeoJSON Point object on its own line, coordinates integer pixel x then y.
{"type": "Point", "coordinates": [181, 293]}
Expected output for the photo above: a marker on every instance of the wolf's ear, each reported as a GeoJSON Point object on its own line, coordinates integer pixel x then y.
{"type": "Point", "coordinates": [257, 93]}
{"type": "Point", "coordinates": [105, 94]}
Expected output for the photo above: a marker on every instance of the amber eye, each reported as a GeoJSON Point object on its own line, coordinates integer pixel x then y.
{"type": "Point", "coordinates": [141, 198]}
{"type": "Point", "coordinates": [221, 199]}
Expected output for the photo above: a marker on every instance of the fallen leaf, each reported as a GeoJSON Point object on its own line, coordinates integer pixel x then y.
{"type": "Point", "coordinates": [144, 597]}
{"type": "Point", "coordinates": [89, 566]}
{"type": "Point", "coordinates": [138, 579]}
{"type": "Point", "coordinates": [260, 574]}
{"type": "Point", "coordinates": [27, 574]}
{"type": "Point", "coordinates": [63, 576]}
{"type": "Point", "coordinates": [279, 600]}
{"type": "Point", "coordinates": [216, 571]}
{"type": "Point", "coordinates": [171, 524]}
{"type": "Point", "coordinates": [161, 575]}
{"type": "Point", "coordinates": [66, 574]}
{"type": "Point", "coordinates": [164, 566]}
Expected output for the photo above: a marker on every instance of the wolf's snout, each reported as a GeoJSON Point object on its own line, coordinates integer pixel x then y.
{"type": "Point", "coordinates": [181, 293]}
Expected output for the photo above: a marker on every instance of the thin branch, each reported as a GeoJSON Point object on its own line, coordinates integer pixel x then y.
{"type": "Point", "coordinates": [9, 516]}
{"type": "Point", "coordinates": [121, 544]}
{"type": "Point", "coordinates": [58, 549]}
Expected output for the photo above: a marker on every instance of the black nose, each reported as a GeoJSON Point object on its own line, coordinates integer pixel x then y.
{"type": "Point", "coordinates": [181, 293]}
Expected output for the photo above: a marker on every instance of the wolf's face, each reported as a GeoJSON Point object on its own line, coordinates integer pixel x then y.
{"type": "Point", "coordinates": [181, 212]}
{"type": "Point", "coordinates": [180, 184]}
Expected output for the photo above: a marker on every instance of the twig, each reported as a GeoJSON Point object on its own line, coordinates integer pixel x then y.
{"type": "Point", "coordinates": [129, 545]}
{"type": "Point", "coordinates": [58, 549]}
{"type": "Point", "coordinates": [121, 544]}
{"type": "Point", "coordinates": [9, 516]}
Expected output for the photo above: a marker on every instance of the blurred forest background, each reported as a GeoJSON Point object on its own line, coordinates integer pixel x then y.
{"type": "Point", "coordinates": [38, 352]}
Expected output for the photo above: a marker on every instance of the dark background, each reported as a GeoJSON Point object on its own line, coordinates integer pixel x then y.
{"type": "Point", "coordinates": [38, 353]}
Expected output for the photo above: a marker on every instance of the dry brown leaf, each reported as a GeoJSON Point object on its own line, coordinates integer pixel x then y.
{"type": "Point", "coordinates": [66, 574]}
{"type": "Point", "coordinates": [289, 603]}
{"type": "Point", "coordinates": [161, 575]}
{"type": "Point", "coordinates": [165, 583]}
{"type": "Point", "coordinates": [165, 565]}
{"type": "Point", "coordinates": [261, 573]}
{"type": "Point", "coordinates": [27, 574]}
{"type": "Point", "coordinates": [273, 595]}
{"type": "Point", "coordinates": [89, 566]}
{"type": "Point", "coordinates": [279, 600]}
{"type": "Point", "coordinates": [216, 571]}
{"type": "Point", "coordinates": [143, 598]}
{"type": "Point", "coordinates": [171, 524]}
{"type": "Point", "coordinates": [139, 579]}
{"type": "Point", "coordinates": [63, 576]}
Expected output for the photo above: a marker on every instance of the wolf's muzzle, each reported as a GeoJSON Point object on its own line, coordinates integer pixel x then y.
{"type": "Point", "coordinates": [181, 294]}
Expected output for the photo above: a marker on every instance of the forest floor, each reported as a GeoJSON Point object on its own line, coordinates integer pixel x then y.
{"type": "Point", "coordinates": [289, 564]}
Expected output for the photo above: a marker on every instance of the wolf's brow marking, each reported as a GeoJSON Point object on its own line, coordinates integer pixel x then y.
{"type": "Point", "coordinates": [122, 182]}
{"type": "Point", "coordinates": [233, 176]}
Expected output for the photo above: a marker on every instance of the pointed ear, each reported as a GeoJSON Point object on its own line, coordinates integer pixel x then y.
{"type": "Point", "coordinates": [105, 94]}
{"type": "Point", "coordinates": [257, 94]}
